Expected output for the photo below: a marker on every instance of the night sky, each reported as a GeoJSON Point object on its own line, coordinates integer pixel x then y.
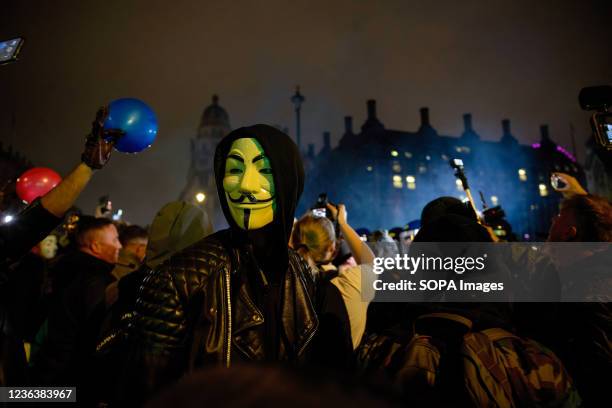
{"type": "Point", "coordinates": [522, 60]}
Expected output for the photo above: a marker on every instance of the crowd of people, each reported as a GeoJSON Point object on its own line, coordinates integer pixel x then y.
{"type": "Point", "coordinates": [274, 310]}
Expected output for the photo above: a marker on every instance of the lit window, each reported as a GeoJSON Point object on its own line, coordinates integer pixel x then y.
{"type": "Point", "coordinates": [394, 153]}
{"type": "Point", "coordinates": [459, 185]}
{"type": "Point", "coordinates": [422, 169]}
{"type": "Point", "coordinates": [397, 168]}
{"type": "Point", "coordinates": [397, 181]}
{"type": "Point", "coordinates": [543, 190]}
{"type": "Point", "coordinates": [408, 155]}
{"type": "Point", "coordinates": [522, 174]}
{"type": "Point", "coordinates": [411, 182]}
{"type": "Point", "coordinates": [369, 168]}
{"type": "Point", "coordinates": [494, 200]}
{"type": "Point", "coordinates": [428, 157]}
{"type": "Point", "coordinates": [462, 149]}
{"type": "Point", "coordinates": [533, 207]}
{"type": "Point", "coordinates": [444, 157]}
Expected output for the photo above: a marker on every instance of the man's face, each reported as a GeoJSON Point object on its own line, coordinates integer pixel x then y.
{"type": "Point", "coordinates": [563, 228]}
{"type": "Point", "coordinates": [249, 185]}
{"type": "Point", "coordinates": [106, 245]}
{"type": "Point", "coordinates": [138, 247]}
{"type": "Point", "coordinates": [48, 247]}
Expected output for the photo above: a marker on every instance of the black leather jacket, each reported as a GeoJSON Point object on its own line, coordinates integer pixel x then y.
{"type": "Point", "coordinates": [190, 313]}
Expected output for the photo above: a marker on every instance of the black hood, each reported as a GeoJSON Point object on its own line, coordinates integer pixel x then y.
{"type": "Point", "coordinates": [288, 174]}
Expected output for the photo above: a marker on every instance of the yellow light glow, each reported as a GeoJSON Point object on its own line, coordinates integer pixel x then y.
{"type": "Point", "coordinates": [397, 181]}
{"type": "Point", "coordinates": [200, 197]}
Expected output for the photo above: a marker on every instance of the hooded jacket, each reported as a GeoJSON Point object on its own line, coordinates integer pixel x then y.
{"type": "Point", "coordinates": [204, 306]}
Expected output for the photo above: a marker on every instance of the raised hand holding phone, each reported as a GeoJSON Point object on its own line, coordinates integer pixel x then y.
{"type": "Point", "coordinates": [566, 185]}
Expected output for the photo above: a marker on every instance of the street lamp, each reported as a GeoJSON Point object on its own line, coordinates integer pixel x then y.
{"type": "Point", "coordinates": [200, 197]}
{"type": "Point", "coordinates": [297, 100]}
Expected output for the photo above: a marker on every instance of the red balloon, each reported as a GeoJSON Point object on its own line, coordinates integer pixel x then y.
{"type": "Point", "coordinates": [36, 182]}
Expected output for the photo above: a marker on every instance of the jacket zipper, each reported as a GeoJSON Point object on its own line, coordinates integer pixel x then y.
{"type": "Point", "coordinates": [317, 326]}
{"type": "Point", "coordinates": [306, 343]}
{"type": "Point", "coordinates": [229, 318]}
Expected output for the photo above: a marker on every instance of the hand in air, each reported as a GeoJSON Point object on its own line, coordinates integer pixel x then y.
{"type": "Point", "coordinates": [100, 142]}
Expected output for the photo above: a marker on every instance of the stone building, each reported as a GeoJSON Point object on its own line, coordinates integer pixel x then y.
{"type": "Point", "coordinates": [386, 176]}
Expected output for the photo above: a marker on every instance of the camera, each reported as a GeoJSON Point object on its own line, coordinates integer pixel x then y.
{"type": "Point", "coordinates": [599, 99]}
{"type": "Point", "coordinates": [457, 166]}
{"type": "Point", "coordinates": [319, 209]}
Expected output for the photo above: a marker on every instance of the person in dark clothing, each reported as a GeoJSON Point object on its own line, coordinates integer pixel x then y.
{"type": "Point", "coordinates": [426, 355]}
{"type": "Point", "coordinates": [445, 219]}
{"type": "Point", "coordinates": [581, 332]}
{"type": "Point", "coordinates": [28, 288]}
{"type": "Point", "coordinates": [176, 226]}
{"type": "Point", "coordinates": [240, 294]}
{"type": "Point", "coordinates": [35, 223]}
{"type": "Point", "coordinates": [77, 311]}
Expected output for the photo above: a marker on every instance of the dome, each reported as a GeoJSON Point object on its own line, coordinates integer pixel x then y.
{"type": "Point", "coordinates": [215, 115]}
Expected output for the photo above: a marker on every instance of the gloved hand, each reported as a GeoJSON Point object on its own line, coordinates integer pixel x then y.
{"type": "Point", "coordinates": [100, 142]}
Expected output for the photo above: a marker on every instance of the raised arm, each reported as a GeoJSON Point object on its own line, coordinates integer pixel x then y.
{"type": "Point", "coordinates": [567, 185]}
{"type": "Point", "coordinates": [360, 250]}
{"type": "Point", "coordinates": [43, 215]}
{"type": "Point", "coordinates": [98, 147]}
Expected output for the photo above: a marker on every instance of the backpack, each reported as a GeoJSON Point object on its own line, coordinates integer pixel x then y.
{"type": "Point", "coordinates": [504, 370]}
{"type": "Point", "coordinates": [499, 369]}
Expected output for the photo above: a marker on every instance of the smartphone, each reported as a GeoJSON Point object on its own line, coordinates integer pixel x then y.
{"type": "Point", "coordinates": [558, 183]}
{"type": "Point", "coordinates": [456, 163]}
{"type": "Point", "coordinates": [602, 126]}
{"type": "Point", "coordinates": [9, 50]}
{"type": "Point", "coordinates": [319, 212]}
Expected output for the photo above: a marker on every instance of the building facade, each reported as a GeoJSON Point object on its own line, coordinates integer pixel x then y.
{"type": "Point", "coordinates": [386, 176]}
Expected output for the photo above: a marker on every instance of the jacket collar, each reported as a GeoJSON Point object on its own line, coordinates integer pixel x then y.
{"type": "Point", "coordinates": [298, 316]}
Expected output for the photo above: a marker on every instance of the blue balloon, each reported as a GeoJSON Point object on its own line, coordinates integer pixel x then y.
{"type": "Point", "coordinates": [136, 119]}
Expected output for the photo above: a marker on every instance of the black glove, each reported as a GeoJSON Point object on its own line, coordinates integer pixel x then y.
{"type": "Point", "coordinates": [100, 142]}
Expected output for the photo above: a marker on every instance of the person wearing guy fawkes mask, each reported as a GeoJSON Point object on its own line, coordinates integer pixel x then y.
{"type": "Point", "coordinates": [240, 294]}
